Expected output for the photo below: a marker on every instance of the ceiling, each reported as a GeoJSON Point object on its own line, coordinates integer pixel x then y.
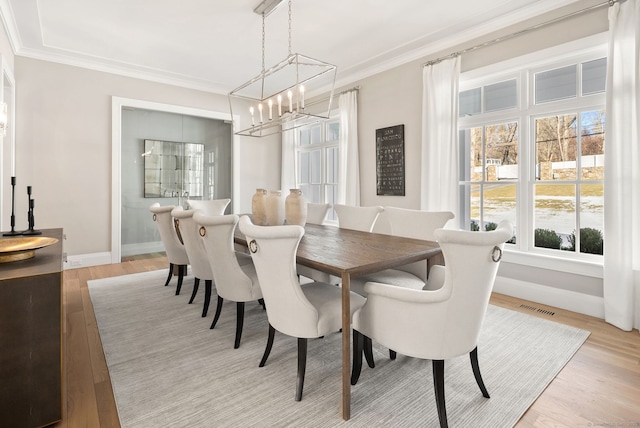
{"type": "Point", "coordinates": [215, 45]}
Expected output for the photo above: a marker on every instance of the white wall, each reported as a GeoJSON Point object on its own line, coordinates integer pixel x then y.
{"type": "Point", "coordinates": [64, 147]}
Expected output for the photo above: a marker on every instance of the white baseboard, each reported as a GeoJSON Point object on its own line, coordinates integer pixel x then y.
{"type": "Point", "coordinates": [564, 299]}
{"type": "Point", "coordinates": [142, 248]}
{"type": "Point", "coordinates": [84, 260]}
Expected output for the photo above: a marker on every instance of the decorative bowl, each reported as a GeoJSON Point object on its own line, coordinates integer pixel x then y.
{"type": "Point", "coordinates": [22, 247]}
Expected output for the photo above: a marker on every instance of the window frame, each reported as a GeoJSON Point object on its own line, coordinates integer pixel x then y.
{"type": "Point", "coordinates": [324, 145]}
{"type": "Point", "coordinates": [524, 69]}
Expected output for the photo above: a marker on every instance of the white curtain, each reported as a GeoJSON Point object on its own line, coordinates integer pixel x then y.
{"type": "Point", "coordinates": [289, 161]}
{"type": "Point", "coordinates": [622, 169]}
{"type": "Point", "coordinates": [349, 171]}
{"type": "Point", "coordinates": [439, 181]}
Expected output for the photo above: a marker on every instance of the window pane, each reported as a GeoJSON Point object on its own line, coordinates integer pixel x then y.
{"type": "Point", "coordinates": [313, 193]}
{"type": "Point", "coordinates": [333, 131]}
{"type": "Point", "coordinates": [315, 160]}
{"type": "Point", "coordinates": [501, 152]}
{"type": "Point", "coordinates": [501, 96]}
{"type": "Point", "coordinates": [332, 165]}
{"type": "Point", "coordinates": [594, 76]}
{"type": "Point", "coordinates": [470, 102]}
{"type": "Point", "coordinates": [332, 198]}
{"type": "Point", "coordinates": [591, 235]}
{"type": "Point", "coordinates": [556, 84]}
{"type": "Point", "coordinates": [475, 210]}
{"type": "Point", "coordinates": [556, 147]}
{"type": "Point", "coordinates": [472, 145]}
{"type": "Point", "coordinates": [305, 137]}
{"type": "Point", "coordinates": [316, 134]}
{"type": "Point", "coordinates": [555, 215]}
{"type": "Point", "coordinates": [592, 145]}
{"type": "Point", "coordinates": [304, 169]}
{"type": "Point", "coordinates": [499, 204]}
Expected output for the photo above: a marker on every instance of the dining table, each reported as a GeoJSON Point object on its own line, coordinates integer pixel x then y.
{"type": "Point", "coordinates": [347, 253]}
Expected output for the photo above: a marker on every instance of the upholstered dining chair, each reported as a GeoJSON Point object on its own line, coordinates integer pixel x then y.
{"type": "Point", "coordinates": [316, 214]}
{"type": "Point", "coordinates": [407, 223]}
{"type": "Point", "coordinates": [209, 206]}
{"type": "Point", "coordinates": [304, 311]}
{"type": "Point", "coordinates": [234, 274]}
{"type": "Point", "coordinates": [357, 218]}
{"type": "Point", "coordinates": [435, 324]}
{"type": "Point", "coordinates": [173, 247]}
{"type": "Point", "coordinates": [195, 250]}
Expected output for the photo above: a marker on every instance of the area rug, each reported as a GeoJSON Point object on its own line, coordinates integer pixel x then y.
{"type": "Point", "coordinates": [168, 369]}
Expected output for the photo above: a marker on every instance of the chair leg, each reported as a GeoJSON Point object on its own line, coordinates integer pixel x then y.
{"type": "Point", "coordinates": [182, 270]}
{"type": "Point", "coordinates": [392, 354]}
{"type": "Point", "coordinates": [358, 340]}
{"type": "Point", "coordinates": [239, 323]}
{"type": "Point", "coordinates": [476, 372]}
{"type": "Point", "coordinates": [218, 310]}
{"type": "Point", "coordinates": [368, 352]}
{"type": "Point", "coordinates": [438, 386]}
{"type": "Point", "coordinates": [261, 301]}
{"type": "Point", "coordinates": [196, 284]}
{"type": "Point", "coordinates": [207, 296]}
{"type": "Point", "coordinates": [170, 274]}
{"type": "Point", "coordinates": [267, 350]}
{"type": "Point", "coordinates": [302, 366]}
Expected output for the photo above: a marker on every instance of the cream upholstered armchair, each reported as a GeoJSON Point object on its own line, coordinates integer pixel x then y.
{"type": "Point", "coordinates": [209, 206]}
{"type": "Point", "coordinates": [409, 224]}
{"type": "Point", "coordinates": [195, 249]}
{"type": "Point", "coordinates": [435, 324]}
{"type": "Point", "coordinates": [176, 253]}
{"type": "Point", "coordinates": [308, 311]}
{"type": "Point", "coordinates": [357, 218]}
{"type": "Point", "coordinates": [234, 274]}
{"type": "Point", "coordinates": [316, 214]}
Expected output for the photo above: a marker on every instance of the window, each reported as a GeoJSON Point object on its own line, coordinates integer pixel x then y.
{"type": "Point", "coordinates": [532, 151]}
{"type": "Point", "coordinates": [317, 154]}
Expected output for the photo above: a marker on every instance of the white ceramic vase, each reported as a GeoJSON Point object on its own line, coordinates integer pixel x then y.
{"type": "Point", "coordinates": [295, 208]}
{"type": "Point", "coordinates": [259, 207]}
{"type": "Point", "coordinates": [275, 208]}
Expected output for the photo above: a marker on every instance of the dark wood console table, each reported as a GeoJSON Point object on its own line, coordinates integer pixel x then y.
{"type": "Point", "coordinates": [30, 338]}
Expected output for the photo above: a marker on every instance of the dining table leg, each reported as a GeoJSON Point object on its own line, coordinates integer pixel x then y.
{"type": "Point", "coordinates": [346, 347]}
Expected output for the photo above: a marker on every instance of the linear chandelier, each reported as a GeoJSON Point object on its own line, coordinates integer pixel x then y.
{"type": "Point", "coordinates": [275, 98]}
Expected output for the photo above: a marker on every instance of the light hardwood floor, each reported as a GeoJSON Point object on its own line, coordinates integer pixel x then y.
{"type": "Point", "coordinates": [600, 386]}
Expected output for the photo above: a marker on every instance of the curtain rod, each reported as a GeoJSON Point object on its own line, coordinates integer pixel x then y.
{"type": "Point", "coordinates": [321, 100]}
{"type": "Point", "coordinates": [521, 32]}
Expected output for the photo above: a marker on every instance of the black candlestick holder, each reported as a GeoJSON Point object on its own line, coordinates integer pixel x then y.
{"type": "Point", "coordinates": [12, 232]}
{"type": "Point", "coordinates": [31, 218]}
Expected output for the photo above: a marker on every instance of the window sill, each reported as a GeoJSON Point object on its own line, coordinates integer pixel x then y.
{"type": "Point", "coordinates": [579, 267]}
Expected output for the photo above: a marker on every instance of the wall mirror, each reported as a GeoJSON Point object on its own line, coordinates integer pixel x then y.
{"type": "Point", "coordinates": [173, 169]}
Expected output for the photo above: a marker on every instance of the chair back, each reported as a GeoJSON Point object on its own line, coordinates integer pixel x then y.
{"type": "Point", "coordinates": [443, 323]}
{"type": "Point", "coordinates": [192, 243]}
{"type": "Point", "coordinates": [233, 282]}
{"type": "Point", "coordinates": [273, 250]}
{"type": "Point", "coordinates": [471, 264]}
{"type": "Point", "coordinates": [357, 218]}
{"type": "Point", "coordinates": [209, 206]}
{"type": "Point", "coordinates": [176, 253]}
{"type": "Point", "coordinates": [316, 213]}
{"type": "Point", "coordinates": [410, 223]}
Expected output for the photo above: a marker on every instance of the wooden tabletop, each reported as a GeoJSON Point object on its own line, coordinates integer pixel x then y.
{"type": "Point", "coordinates": [337, 251]}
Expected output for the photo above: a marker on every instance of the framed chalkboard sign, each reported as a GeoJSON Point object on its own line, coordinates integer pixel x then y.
{"type": "Point", "coordinates": [390, 161]}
